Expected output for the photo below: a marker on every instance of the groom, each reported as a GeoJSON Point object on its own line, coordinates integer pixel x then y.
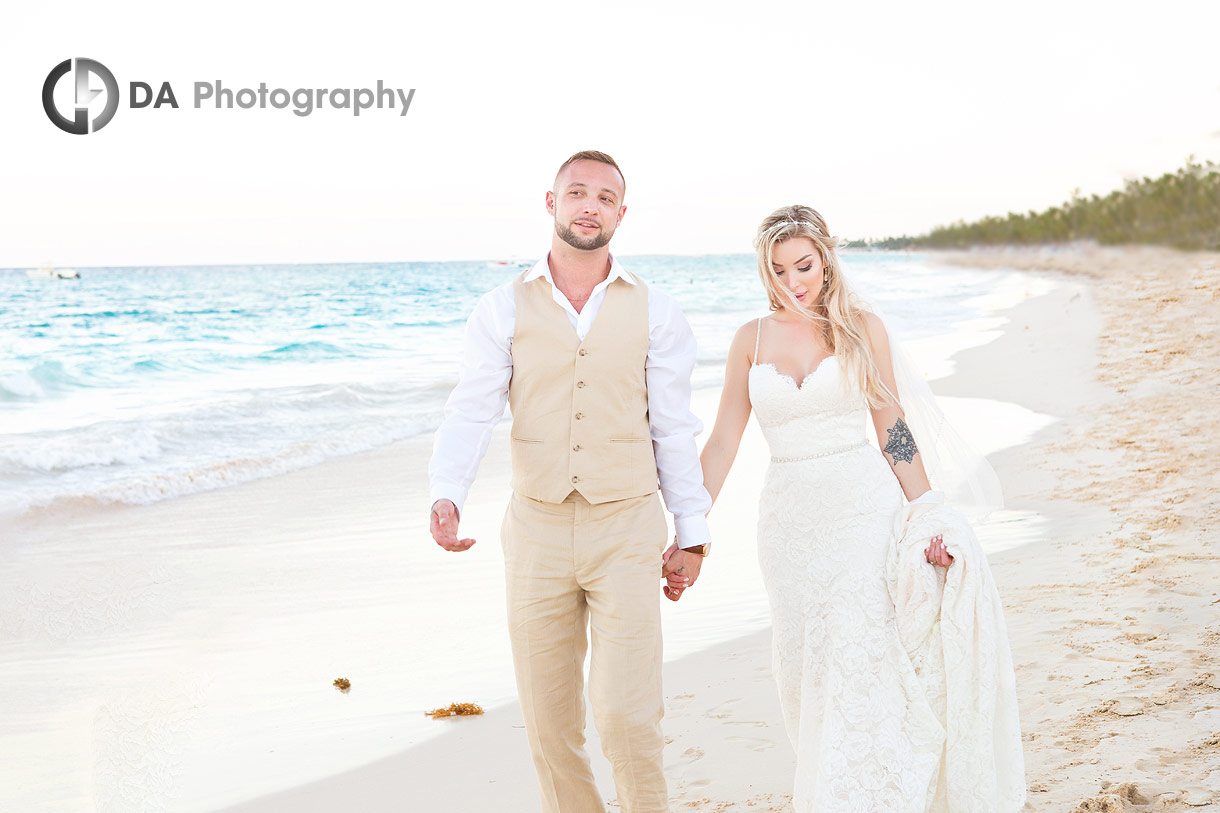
{"type": "Point", "coordinates": [596, 368]}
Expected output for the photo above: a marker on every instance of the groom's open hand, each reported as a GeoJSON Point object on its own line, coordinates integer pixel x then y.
{"type": "Point", "coordinates": [444, 527]}
{"type": "Point", "coordinates": [680, 570]}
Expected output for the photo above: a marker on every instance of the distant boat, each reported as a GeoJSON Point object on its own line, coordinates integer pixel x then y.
{"type": "Point", "coordinates": [46, 271]}
{"type": "Point", "coordinates": [510, 264]}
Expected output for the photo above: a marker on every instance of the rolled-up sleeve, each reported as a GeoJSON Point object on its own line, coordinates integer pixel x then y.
{"type": "Point", "coordinates": [671, 361]}
{"type": "Point", "coordinates": [477, 402]}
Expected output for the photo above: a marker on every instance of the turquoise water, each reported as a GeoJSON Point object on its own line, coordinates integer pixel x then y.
{"type": "Point", "coordinates": [139, 384]}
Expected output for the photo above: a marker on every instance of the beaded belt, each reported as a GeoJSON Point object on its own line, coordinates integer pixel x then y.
{"type": "Point", "coordinates": [857, 445]}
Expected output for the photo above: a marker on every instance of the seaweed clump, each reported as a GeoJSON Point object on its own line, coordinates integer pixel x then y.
{"type": "Point", "coordinates": [342, 684]}
{"type": "Point", "coordinates": [455, 710]}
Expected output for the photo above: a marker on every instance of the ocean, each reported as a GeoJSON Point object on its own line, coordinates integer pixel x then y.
{"type": "Point", "coordinates": [133, 385]}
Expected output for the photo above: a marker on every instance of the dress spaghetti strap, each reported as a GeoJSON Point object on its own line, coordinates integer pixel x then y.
{"type": "Point", "coordinates": [757, 337]}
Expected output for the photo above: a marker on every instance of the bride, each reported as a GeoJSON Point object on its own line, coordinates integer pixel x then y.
{"type": "Point", "coordinates": [872, 721]}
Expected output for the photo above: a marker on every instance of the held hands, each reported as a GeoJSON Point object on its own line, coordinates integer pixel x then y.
{"type": "Point", "coordinates": [680, 571]}
{"type": "Point", "coordinates": [444, 527]}
{"type": "Point", "coordinates": [936, 552]}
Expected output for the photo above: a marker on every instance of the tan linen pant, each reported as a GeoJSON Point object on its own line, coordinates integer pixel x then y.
{"type": "Point", "coordinates": [571, 565]}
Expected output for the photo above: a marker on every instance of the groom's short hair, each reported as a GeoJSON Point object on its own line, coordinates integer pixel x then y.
{"type": "Point", "coordinates": [593, 155]}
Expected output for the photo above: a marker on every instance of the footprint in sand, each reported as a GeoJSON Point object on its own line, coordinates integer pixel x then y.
{"type": "Point", "coordinates": [690, 757]}
{"type": "Point", "coordinates": [1138, 637]}
{"type": "Point", "coordinates": [1114, 799]}
{"type": "Point", "coordinates": [1122, 706]}
{"type": "Point", "coordinates": [1153, 764]}
{"type": "Point", "coordinates": [754, 743]}
{"type": "Point", "coordinates": [1207, 680]}
{"type": "Point", "coordinates": [1126, 797]}
{"type": "Point", "coordinates": [680, 701]}
{"type": "Point", "coordinates": [722, 710]}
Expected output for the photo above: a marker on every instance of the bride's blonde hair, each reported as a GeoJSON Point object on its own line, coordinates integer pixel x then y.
{"type": "Point", "coordinates": [835, 314]}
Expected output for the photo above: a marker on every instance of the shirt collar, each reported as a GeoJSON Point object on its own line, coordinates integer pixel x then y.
{"type": "Point", "coordinates": [543, 269]}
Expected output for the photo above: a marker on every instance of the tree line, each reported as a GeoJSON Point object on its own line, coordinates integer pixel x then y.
{"type": "Point", "coordinates": [1179, 209]}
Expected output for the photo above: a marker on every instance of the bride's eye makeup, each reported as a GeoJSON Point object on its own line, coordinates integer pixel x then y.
{"type": "Point", "coordinates": [806, 268]}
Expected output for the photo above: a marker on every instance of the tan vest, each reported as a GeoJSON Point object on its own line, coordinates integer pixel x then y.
{"type": "Point", "coordinates": [580, 409]}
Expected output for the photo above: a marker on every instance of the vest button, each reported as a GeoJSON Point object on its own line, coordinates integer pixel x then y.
{"type": "Point", "coordinates": [576, 448]}
{"type": "Point", "coordinates": [575, 479]}
{"type": "Point", "coordinates": [583, 352]}
{"type": "Point", "coordinates": [580, 416]}
{"type": "Point", "coordinates": [580, 384]}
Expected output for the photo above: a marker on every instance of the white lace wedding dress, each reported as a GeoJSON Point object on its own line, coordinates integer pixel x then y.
{"type": "Point", "coordinates": [865, 736]}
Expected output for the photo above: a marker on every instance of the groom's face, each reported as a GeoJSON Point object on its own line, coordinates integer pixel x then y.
{"type": "Point", "coordinates": [587, 204]}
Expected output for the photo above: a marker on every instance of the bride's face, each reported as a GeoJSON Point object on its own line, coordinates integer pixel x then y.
{"type": "Point", "coordinates": [799, 268]}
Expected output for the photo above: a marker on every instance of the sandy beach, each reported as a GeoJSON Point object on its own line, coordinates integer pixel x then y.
{"type": "Point", "coordinates": [1115, 620]}
{"type": "Point", "coordinates": [1113, 602]}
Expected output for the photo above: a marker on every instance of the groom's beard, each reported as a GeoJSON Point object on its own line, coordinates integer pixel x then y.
{"type": "Point", "coordinates": [590, 243]}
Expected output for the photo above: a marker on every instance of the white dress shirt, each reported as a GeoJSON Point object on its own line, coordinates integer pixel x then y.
{"type": "Point", "coordinates": [477, 402]}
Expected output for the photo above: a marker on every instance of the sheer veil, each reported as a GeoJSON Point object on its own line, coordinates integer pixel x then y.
{"type": "Point", "coordinates": [953, 465]}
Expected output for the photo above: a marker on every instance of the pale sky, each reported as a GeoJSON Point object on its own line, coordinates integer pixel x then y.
{"type": "Point", "coordinates": [886, 117]}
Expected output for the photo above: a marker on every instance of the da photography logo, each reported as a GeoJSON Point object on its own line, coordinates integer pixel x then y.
{"type": "Point", "coordinates": [303, 101]}
{"type": "Point", "coordinates": [84, 94]}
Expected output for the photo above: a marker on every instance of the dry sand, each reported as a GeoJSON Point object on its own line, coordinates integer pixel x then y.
{"type": "Point", "coordinates": [1116, 621]}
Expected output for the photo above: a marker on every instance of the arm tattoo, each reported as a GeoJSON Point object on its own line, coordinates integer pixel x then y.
{"type": "Point", "coordinates": [901, 445]}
